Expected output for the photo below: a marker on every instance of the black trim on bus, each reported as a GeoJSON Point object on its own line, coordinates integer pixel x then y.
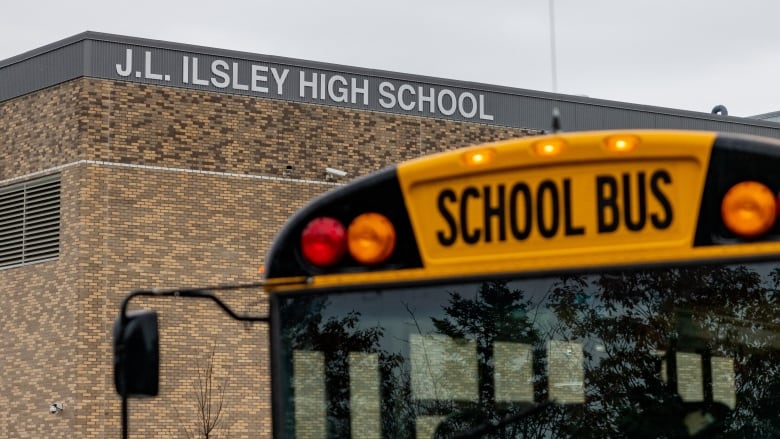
{"type": "Point", "coordinates": [735, 158]}
{"type": "Point", "coordinates": [277, 397]}
{"type": "Point", "coordinates": [379, 192]}
{"type": "Point", "coordinates": [304, 291]}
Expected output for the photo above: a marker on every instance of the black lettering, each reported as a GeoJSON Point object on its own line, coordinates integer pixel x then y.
{"type": "Point", "coordinates": [447, 195]}
{"type": "Point", "coordinates": [548, 231]}
{"type": "Point", "coordinates": [571, 230]}
{"type": "Point", "coordinates": [519, 233]}
{"type": "Point", "coordinates": [639, 224]}
{"type": "Point", "coordinates": [606, 202]}
{"type": "Point", "coordinates": [499, 212]}
{"type": "Point", "coordinates": [468, 238]}
{"type": "Point", "coordinates": [659, 222]}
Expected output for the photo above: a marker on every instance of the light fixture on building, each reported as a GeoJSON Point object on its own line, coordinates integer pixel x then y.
{"type": "Point", "coordinates": [55, 408]}
{"type": "Point", "coordinates": [331, 173]}
{"type": "Point", "coordinates": [287, 171]}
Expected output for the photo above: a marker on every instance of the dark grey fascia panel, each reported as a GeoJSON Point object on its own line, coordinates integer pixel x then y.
{"type": "Point", "coordinates": [773, 116]}
{"type": "Point", "coordinates": [43, 70]}
{"type": "Point", "coordinates": [153, 62]}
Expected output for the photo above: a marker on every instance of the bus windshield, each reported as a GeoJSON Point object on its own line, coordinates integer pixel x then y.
{"type": "Point", "coordinates": [680, 351]}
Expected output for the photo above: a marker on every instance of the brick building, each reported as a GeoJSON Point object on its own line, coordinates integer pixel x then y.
{"type": "Point", "coordinates": [130, 163]}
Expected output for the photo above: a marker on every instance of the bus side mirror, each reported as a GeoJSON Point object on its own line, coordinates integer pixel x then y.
{"type": "Point", "coordinates": [136, 354]}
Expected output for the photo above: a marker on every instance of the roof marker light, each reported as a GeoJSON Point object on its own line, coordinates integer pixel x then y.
{"type": "Point", "coordinates": [622, 143]}
{"type": "Point", "coordinates": [371, 238]}
{"type": "Point", "coordinates": [749, 209]}
{"type": "Point", "coordinates": [479, 157]}
{"type": "Point", "coordinates": [549, 147]}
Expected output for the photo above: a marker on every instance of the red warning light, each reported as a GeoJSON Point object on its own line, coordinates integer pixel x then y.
{"type": "Point", "coordinates": [323, 241]}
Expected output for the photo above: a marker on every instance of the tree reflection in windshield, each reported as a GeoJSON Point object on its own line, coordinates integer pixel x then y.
{"type": "Point", "coordinates": [647, 353]}
{"type": "Point", "coordinates": [498, 314]}
{"type": "Point", "coordinates": [335, 338]}
{"type": "Point", "coordinates": [649, 321]}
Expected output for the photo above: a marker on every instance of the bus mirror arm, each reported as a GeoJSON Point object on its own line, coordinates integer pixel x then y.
{"type": "Point", "coordinates": [205, 293]}
{"type": "Point", "coordinates": [136, 341]}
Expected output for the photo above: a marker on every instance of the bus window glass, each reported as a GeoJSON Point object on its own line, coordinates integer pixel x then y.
{"type": "Point", "coordinates": [618, 354]}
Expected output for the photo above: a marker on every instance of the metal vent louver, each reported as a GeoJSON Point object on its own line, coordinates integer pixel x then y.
{"type": "Point", "coordinates": [30, 222]}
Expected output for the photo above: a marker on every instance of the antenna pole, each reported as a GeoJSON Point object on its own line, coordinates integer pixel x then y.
{"type": "Point", "coordinates": [553, 57]}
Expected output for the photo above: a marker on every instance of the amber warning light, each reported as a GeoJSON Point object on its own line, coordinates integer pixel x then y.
{"type": "Point", "coordinates": [749, 209]}
{"type": "Point", "coordinates": [371, 238]}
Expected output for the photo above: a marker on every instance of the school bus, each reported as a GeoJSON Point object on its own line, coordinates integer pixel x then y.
{"type": "Point", "coordinates": [594, 284]}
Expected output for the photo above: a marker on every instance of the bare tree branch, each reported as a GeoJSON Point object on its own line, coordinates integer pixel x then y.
{"type": "Point", "coordinates": [209, 394]}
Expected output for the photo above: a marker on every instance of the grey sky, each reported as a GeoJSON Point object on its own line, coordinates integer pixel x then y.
{"type": "Point", "coordinates": [687, 54]}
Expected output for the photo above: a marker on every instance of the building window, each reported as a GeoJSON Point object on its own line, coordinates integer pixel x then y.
{"type": "Point", "coordinates": [30, 222]}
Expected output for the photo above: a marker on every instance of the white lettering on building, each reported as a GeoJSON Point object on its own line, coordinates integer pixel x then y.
{"type": "Point", "coordinates": [326, 87]}
{"type": "Point", "coordinates": [219, 69]}
{"type": "Point", "coordinates": [334, 88]}
{"type": "Point", "coordinates": [147, 73]}
{"type": "Point", "coordinates": [434, 101]}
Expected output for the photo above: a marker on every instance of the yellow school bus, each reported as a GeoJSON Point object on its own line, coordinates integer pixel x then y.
{"type": "Point", "coordinates": [597, 284]}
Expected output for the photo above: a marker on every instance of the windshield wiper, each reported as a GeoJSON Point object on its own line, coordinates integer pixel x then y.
{"type": "Point", "coordinates": [491, 427]}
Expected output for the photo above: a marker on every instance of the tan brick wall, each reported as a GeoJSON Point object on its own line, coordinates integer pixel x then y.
{"type": "Point", "coordinates": [141, 218]}
{"type": "Point", "coordinates": [40, 130]}
{"type": "Point", "coordinates": [40, 339]}
{"type": "Point", "coordinates": [214, 132]}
